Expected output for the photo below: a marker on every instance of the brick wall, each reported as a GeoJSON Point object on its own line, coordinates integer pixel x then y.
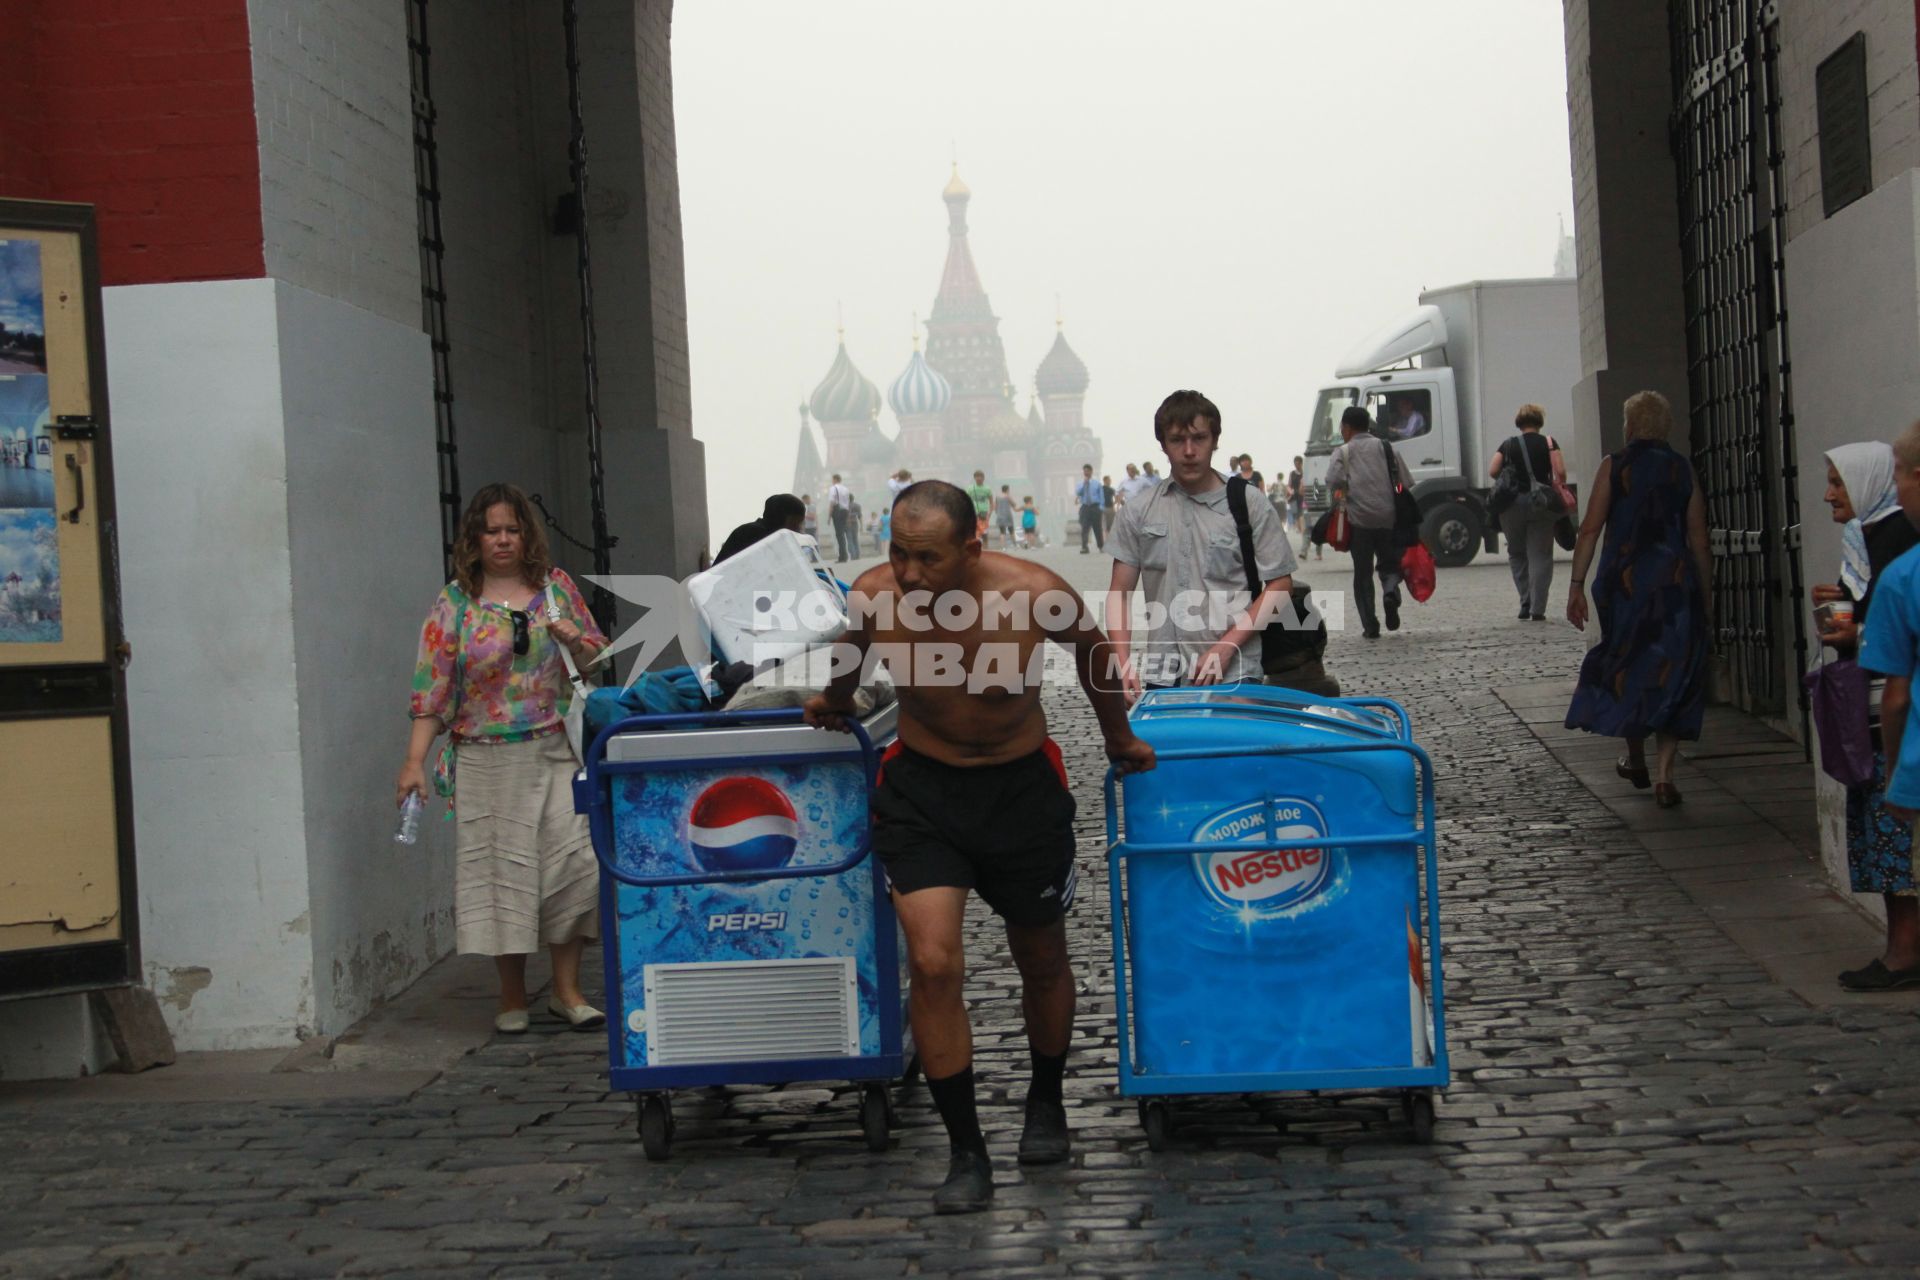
{"type": "Point", "coordinates": [144, 110]}
{"type": "Point", "coordinates": [331, 86]}
{"type": "Point", "coordinates": [1810, 30]}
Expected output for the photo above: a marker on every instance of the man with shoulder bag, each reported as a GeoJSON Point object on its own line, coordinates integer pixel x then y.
{"type": "Point", "coordinates": [1369, 478]}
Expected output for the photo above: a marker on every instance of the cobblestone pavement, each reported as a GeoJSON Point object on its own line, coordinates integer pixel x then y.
{"type": "Point", "coordinates": [1632, 1095]}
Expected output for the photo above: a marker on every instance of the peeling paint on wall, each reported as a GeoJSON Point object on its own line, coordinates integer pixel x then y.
{"type": "Point", "coordinates": [302, 923]}
{"type": "Point", "coordinates": [177, 987]}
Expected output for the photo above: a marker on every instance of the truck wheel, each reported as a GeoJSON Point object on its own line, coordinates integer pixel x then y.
{"type": "Point", "coordinates": [1452, 532]}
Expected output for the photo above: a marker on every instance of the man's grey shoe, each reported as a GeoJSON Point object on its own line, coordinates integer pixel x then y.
{"type": "Point", "coordinates": [969, 1184]}
{"type": "Point", "coordinates": [1045, 1139]}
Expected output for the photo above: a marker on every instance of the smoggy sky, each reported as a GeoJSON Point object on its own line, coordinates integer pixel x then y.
{"type": "Point", "coordinates": [1224, 195]}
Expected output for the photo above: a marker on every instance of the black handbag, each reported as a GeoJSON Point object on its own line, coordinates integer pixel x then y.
{"type": "Point", "coordinates": [1281, 644]}
{"type": "Point", "coordinates": [1406, 511]}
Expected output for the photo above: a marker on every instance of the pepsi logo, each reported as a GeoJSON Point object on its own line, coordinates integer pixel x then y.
{"type": "Point", "coordinates": [1264, 879]}
{"type": "Point", "coordinates": [743, 824]}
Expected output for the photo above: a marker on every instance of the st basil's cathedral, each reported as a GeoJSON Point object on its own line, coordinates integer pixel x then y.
{"type": "Point", "coordinates": [954, 405]}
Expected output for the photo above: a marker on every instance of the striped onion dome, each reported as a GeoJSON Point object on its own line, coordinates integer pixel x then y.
{"type": "Point", "coordinates": [844, 395]}
{"type": "Point", "coordinates": [1061, 373]}
{"type": "Point", "coordinates": [919, 389]}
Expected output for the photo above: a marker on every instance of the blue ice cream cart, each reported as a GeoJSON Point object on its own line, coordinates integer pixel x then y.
{"type": "Point", "coordinates": [1270, 929]}
{"type": "Point", "coordinates": [748, 934]}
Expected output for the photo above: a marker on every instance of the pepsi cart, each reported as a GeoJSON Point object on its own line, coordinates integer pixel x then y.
{"type": "Point", "coordinates": [1269, 929]}
{"type": "Point", "coordinates": [748, 934]}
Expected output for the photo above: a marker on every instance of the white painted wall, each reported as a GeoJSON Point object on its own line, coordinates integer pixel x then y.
{"type": "Point", "coordinates": [201, 469]}
{"type": "Point", "coordinates": [1853, 288]}
{"type": "Point", "coordinates": [364, 535]}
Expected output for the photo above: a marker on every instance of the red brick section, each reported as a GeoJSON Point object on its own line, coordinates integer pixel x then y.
{"type": "Point", "coordinates": [144, 109]}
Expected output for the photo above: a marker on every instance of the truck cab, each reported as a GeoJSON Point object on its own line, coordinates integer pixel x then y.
{"type": "Point", "coordinates": [1416, 410]}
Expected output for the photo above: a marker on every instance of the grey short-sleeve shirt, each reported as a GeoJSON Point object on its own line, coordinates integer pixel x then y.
{"type": "Point", "coordinates": [1191, 572]}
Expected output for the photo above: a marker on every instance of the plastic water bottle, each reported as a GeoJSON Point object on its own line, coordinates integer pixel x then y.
{"type": "Point", "coordinates": [409, 829]}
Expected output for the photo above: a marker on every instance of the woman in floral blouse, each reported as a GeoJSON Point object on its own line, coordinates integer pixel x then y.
{"type": "Point", "coordinates": [490, 673]}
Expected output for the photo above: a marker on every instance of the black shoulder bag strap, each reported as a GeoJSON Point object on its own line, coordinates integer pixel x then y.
{"type": "Point", "coordinates": [1237, 505]}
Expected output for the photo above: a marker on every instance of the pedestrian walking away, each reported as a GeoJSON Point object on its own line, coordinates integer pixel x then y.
{"type": "Point", "coordinates": [840, 511]}
{"type": "Point", "coordinates": [1003, 517]}
{"type": "Point", "coordinates": [1648, 675]}
{"type": "Point", "coordinates": [854, 517]}
{"type": "Point", "coordinates": [1087, 494]}
{"type": "Point", "coordinates": [1361, 475]}
{"type": "Point", "coordinates": [1876, 497]}
{"type": "Point", "coordinates": [1181, 543]}
{"type": "Point", "coordinates": [1106, 504]}
{"type": "Point", "coordinates": [973, 798]}
{"type": "Point", "coordinates": [982, 498]}
{"type": "Point", "coordinates": [1535, 471]}
{"type": "Point", "coordinates": [491, 675]}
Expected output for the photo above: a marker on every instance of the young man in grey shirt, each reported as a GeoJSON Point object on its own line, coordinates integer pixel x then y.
{"type": "Point", "coordinates": [1362, 474]}
{"type": "Point", "coordinates": [1178, 544]}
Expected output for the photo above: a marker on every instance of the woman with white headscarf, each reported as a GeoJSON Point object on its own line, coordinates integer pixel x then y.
{"type": "Point", "coordinates": [1874, 533]}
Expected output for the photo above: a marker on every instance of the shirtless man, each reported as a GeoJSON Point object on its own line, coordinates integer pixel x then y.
{"type": "Point", "coordinates": [973, 796]}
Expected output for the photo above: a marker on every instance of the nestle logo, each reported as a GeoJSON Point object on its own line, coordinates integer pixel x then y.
{"type": "Point", "coordinates": [1267, 879]}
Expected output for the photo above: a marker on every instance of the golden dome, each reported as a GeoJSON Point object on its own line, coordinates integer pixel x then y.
{"type": "Point", "coordinates": [956, 189]}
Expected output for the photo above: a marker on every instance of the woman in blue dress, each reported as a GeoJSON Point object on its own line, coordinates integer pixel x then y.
{"type": "Point", "coordinates": [1648, 675]}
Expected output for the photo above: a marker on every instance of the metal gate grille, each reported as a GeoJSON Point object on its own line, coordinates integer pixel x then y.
{"type": "Point", "coordinates": [1732, 206]}
{"type": "Point", "coordinates": [433, 283]}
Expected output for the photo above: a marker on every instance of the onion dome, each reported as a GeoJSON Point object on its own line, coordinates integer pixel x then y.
{"type": "Point", "coordinates": [844, 395]}
{"type": "Point", "coordinates": [1061, 373]}
{"type": "Point", "coordinates": [956, 189]}
{"type": "Point", "coordinates": [919, 389]}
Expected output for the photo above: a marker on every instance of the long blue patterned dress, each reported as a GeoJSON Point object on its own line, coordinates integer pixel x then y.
{"type": "Point", "coordinates": [1648, 674]}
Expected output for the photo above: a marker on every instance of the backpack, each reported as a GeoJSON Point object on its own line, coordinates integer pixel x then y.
{"type": "Point", "coordinates": [1281, 645]}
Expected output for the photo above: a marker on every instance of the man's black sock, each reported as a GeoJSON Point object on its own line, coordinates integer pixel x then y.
{"type": "Point", "coordinates": [1048, 1071]}
{"type": "Point", "coordinates": [954, 1097]}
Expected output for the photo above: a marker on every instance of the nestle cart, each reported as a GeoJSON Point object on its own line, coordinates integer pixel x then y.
{"type": "Point", "coordinates": [748, 935]}
{"type": "Point", "coordinates": [1269, 928]}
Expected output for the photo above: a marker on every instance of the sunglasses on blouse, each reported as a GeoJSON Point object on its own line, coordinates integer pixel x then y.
{"type": "Point", "coordinates": [521, 638]}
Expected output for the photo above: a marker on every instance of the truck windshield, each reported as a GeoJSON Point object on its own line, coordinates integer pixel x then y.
{"type": "Point", "coordinates": [1324, 433]}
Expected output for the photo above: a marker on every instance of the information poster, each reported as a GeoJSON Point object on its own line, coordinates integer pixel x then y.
{"type": "Point", "coordinates": [29, 550]}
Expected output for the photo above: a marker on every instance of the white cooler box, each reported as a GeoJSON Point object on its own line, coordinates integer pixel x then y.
{"type": "Point", "coordinates": [770, 602]}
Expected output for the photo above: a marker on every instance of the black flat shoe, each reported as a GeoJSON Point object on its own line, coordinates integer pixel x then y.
{"type": "Point", "coordinates": [1639, 777]}
{"type": "Point", "coordinates": [1392, 606]}
{"type": "Point", "coordinates": [1524, 615]}
{"type": "Point", "coordinates": [1875, 976]}
{"type": "Point", "coordinates": [1045, 1139]}
{"type": "Point", "coordinates": [1537, 617]}
{"type": "Point", "coordinates": [969, 1184]}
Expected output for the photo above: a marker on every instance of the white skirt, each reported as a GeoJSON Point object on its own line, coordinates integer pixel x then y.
{"type": "Point", "coordinates": [525, 873]}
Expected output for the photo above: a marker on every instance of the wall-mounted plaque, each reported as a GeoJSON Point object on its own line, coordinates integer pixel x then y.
{"type": "Point", "coordinates": [1846, 149]}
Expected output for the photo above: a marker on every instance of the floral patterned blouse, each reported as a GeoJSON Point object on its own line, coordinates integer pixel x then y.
{"type": "Point", "coordinates": [505, 697]}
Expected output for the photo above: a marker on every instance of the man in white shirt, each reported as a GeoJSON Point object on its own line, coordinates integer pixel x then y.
{"type": "Point", "coordinates": [1134, 485]}
{"type": "Point", "coordinates": [840, 510]}
{"type": "Point", "coordinates": [1179, 543]}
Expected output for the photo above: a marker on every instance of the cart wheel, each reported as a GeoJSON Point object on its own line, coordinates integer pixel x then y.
{"type": "Point", "coordinates": [1158, 1122]}
{"type": "Point", "coordinates": [656, 1126]}
{"type": "Point", "coordinates": [874, 1119]}
{"type": "Point", "coordinates": [1420, 1116]}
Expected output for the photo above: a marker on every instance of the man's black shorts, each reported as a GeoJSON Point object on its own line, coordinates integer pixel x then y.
{"type": "Point", "coordinates": [1003, 830]}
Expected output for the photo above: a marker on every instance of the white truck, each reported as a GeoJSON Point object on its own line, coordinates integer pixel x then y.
{"type": "Point", "coordinates": [1442, 385]}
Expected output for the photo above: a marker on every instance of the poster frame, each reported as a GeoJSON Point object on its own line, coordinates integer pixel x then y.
{"type": "Point", "coordinates": [88, 689]}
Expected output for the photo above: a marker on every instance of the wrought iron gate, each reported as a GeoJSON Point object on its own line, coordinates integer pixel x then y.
{"type": "Point", "coordinates": [1732, 197]}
